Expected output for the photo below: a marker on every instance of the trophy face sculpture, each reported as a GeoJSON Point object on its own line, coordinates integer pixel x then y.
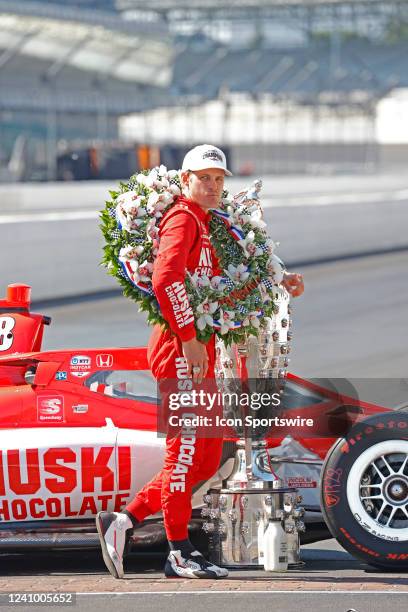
{"type": "Point", "coordinates": [237, 515]}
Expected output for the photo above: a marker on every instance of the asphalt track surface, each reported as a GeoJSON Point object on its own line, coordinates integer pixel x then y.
{"type": "Point", "coordinates": [330, 580]}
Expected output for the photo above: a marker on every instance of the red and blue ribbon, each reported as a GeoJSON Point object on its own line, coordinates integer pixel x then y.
{"type": "Point", "coordinates": [233, 230]}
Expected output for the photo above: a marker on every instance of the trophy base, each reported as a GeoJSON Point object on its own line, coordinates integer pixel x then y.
{"type": "Point", "coordinates": [236, 520]}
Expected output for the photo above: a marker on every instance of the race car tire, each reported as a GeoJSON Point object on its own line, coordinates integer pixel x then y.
{"type": "Point", "coordinates": [364, 491]}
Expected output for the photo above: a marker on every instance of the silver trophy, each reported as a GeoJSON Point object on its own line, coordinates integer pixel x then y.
{"type": "Point", "coordinates": [237, 514]}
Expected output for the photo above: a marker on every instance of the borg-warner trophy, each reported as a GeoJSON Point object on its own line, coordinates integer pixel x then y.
{"type": "Point", "coordinates": [237, 515]}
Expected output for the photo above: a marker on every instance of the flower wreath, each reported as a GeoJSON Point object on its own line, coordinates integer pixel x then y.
{"type": "Point", "coordinates": [232, 304]}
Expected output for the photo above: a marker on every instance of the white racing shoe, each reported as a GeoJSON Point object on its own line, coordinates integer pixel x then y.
{"type": "Point", "coordinates": [192, 566]}
{"type": "Point", "coordinates": [112, 529]}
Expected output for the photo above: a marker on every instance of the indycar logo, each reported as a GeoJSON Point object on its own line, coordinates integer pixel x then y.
{"type": "Point", "coordinates": [104, 361]}
{"type": "Point", "coordinates": [80, 365]}
{"type": "Point", "coordinates": [50, 408]}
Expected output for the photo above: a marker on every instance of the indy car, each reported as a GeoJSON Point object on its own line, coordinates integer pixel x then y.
{"type": "Point", "coordinates": [78, 434]}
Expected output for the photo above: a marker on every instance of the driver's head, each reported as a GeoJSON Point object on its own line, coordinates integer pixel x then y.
{"type": "Point", "coordinates": [202, 175]}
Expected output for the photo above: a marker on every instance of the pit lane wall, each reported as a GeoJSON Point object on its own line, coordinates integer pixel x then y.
{"type": "Point", "coordinates": [50, 239]}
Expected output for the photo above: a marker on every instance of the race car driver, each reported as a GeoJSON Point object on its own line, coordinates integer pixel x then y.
{"type": "Point", "coordinates": [174, 352]}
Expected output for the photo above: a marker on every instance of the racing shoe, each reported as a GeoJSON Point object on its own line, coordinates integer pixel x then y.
{"type": "Point", "coordinates": [114, 529]}
{"type": "Point", "coordinates": [192, 565]}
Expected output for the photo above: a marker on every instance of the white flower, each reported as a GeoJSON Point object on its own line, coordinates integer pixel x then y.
{"type": "Point", "coordinates": [239, 273]}
{"type": "Point", "coordinates": [252, 318]}
{"type": "Point", "coordinates": [206, 309]}
{"type": "Point", "coordinates": [241, 218]}
{"type": "Point", "coordinates": [151, 230]}
{"type": "Point", "coordinates": [140, 271]}
{"type": "Point", "coordinates": [226, 320]}
{"type": "Point", "coordinates": [129, 215]}
{"type": "Point", "coordinates": [162, 170]}
{"type": "Point", "coordinates": [153, 199]}
{"type": "Point", "coordinates": [276, 268]}
{"type": "Point", "coordinates": [167, 197]}
{"type": "Point", "coordinates": [141, 179]}
{"type": "Point", "coordinates": [194, 279]}
{"type": "Point", "coordinates": [264, 294]}
{"type": "Point", "coordinates": [203, 281]}
{"type": "Point", "coordinates": [174, 189]}
{"type": "Point", "coordinates": [156, 203]}
{"type": "Point", "coordinates": [256, 219]}
{"type": "Point", "coordinates": [129, 199]}
{"type": "Point", "coordinates": [130, 252]}
{"type": "Point", "coordinates": [270, 245]}
{"type": "Point", "coordinates": [217, 281]}
{"type": "Point", "coordinates": [136, 276]}
{"type": "Point", "coordinates": [145, 270]}
{"type": "Point", "coordinates": [152, 179]}
{"type": "Point", "coordinates": [172, 174]}
{"type": "Point", "coordinates": [249, 246]}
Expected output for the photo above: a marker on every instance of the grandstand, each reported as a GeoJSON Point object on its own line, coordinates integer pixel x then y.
{"type": "Point", "coordinates": [72, 69]}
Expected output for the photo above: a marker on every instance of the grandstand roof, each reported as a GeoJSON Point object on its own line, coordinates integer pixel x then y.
{"type": "Point", "coordinates": [165, 5]}
{"type": "Point", "coordinates": [90, 40]}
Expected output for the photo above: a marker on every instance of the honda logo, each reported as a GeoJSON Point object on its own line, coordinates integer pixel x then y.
{"type": "Point", "coordinates": [104, 361]}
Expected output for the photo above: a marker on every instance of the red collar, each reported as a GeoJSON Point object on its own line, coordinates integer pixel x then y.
{"type": "Point", "coordinates": [195, 208]}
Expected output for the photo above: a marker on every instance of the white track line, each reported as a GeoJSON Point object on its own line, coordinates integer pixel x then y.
{"type": "Point", "coordinates": [335, 198]}
{"type": "Point", "coordinates": [271, 592]}
{"type": "Point", "coordinates": [267, 202]}
{"type": "Point", "coordinates": [77, 215]}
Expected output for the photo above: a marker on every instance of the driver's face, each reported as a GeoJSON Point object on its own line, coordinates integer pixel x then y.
{"type": "Point", "coordinates": [204, 186]}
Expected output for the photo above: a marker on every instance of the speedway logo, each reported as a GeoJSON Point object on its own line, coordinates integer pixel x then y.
{"type": "Point", "coordinates": [50, 408]}
{"type": "Point", "coordinates": [63, 482]}
{"type": "Point", "coordinates": [80, 365]}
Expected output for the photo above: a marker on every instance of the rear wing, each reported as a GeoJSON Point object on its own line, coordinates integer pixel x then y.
{"type": "Point", "coordinates": [21, 331]}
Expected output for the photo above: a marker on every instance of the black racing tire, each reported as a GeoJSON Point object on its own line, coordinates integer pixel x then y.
{"type": "Point", "coordinates": [374, 530]}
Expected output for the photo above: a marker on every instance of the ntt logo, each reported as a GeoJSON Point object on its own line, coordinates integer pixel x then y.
{"type": "Point", "coordinates": [82, 360]}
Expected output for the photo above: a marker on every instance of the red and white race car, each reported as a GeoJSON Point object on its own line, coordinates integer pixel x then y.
{"type": "Point", "coordinates": [78, 434]}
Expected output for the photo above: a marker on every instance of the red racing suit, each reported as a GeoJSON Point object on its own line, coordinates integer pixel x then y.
{"type": "Point", "coordinates": [184, 245]}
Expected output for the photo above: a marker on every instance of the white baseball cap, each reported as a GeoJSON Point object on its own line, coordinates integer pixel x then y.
{"type": "Point", "coordinates": [203, 157]}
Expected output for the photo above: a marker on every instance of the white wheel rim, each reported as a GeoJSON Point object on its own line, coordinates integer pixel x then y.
{"type": "Point", "coordinates": [377, 490]}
